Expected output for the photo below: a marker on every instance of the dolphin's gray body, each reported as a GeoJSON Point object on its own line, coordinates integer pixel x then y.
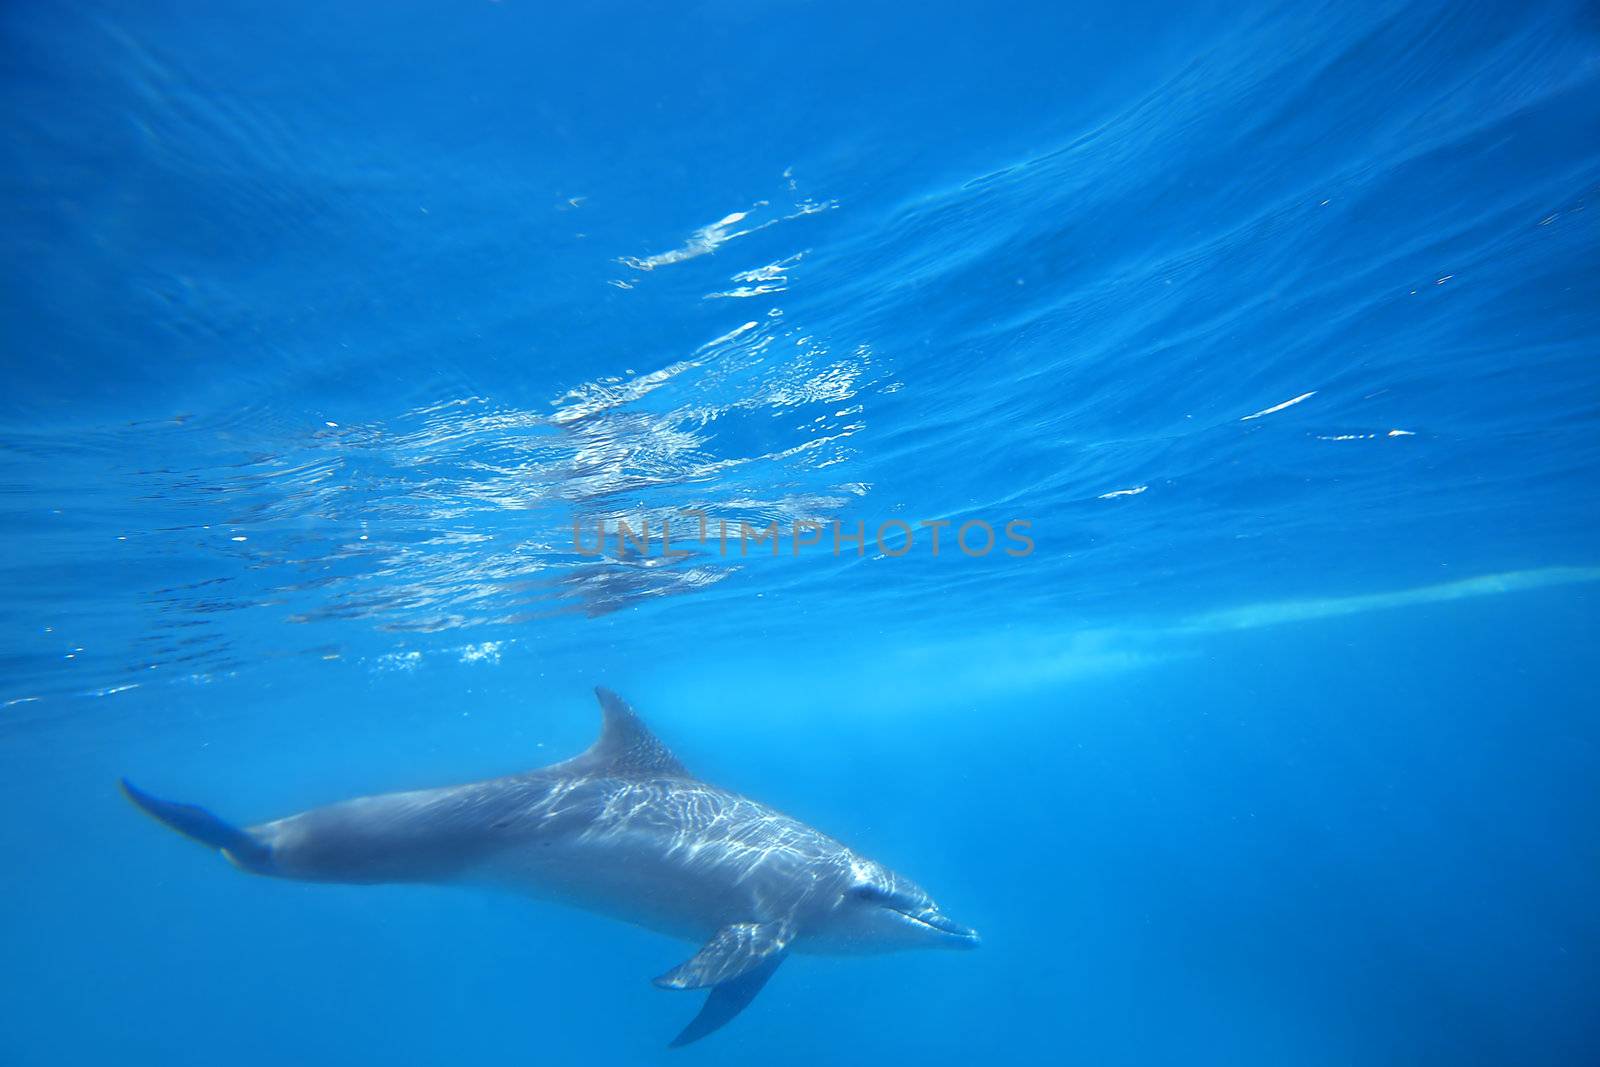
{"type": "Point", "coordinates": [622, 829]}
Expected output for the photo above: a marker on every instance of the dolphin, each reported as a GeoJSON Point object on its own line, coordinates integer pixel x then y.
{"type": "Point", "coordinates": [624, 830]}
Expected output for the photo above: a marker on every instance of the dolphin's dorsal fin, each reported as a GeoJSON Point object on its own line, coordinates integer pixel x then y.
{"type": "Point", "coordinates": [626, 747]}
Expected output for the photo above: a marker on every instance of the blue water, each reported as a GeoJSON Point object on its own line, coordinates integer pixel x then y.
{"type": "Point", "coordinates": [1277, 325]}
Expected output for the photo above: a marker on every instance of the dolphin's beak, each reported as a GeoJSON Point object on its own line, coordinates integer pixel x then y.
{"type": "Point", "coordinates": [953, 934]}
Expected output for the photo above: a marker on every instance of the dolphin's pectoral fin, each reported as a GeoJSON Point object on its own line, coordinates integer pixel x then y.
{"type": "Point", "coordinates": [727, 1000]}
{"type": "Point", "coordinates": [198, 824]}
{"type": "Point", "coordinates": [734, 950]}
{"type": "Point", "coordinates": [735, 963]}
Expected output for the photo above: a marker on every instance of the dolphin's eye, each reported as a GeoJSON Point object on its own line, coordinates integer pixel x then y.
{"type": "Point", "coordinates": [868, 892]}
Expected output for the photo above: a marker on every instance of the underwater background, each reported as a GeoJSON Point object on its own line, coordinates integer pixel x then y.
{"type": "Point", "coordinates": [1277, 325]}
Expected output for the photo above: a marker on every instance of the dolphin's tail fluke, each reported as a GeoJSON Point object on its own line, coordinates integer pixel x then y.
{"type": "Point", "coordinates": [241, 848]}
